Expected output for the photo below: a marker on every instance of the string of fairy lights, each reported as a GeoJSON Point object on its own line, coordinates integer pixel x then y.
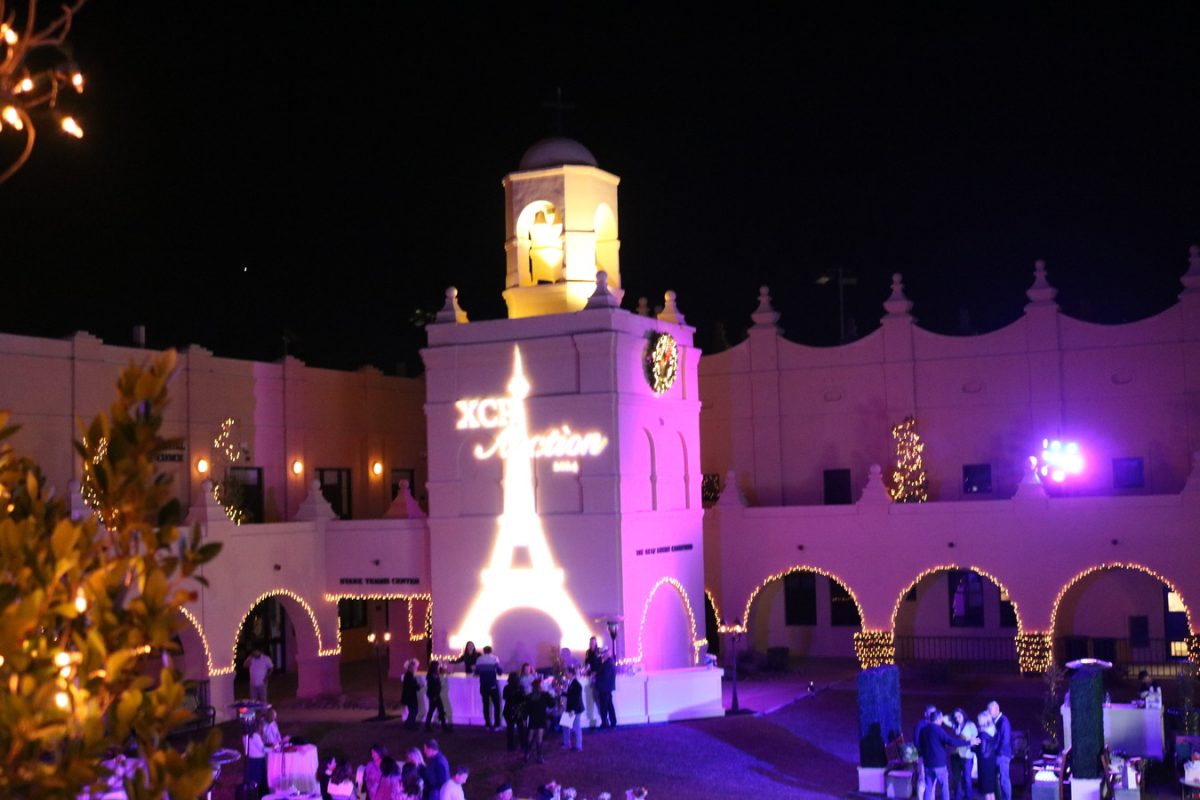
{"type": "Point", "coordinates": [909, 483]}
{"type": "Point", "coordinates": [36, 72]}
{"type": "Point", "coordinates": [697, 644]}
{"type": "Point", "coordinates": [414, 634]}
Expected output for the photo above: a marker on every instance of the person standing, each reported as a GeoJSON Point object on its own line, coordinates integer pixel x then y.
{"type": "Point", "coordinates": [487, 668]}
{"type": "Point", "coordinates": [962, 760]}
{"type": "Point", "coordinates": [256, 760]}
{"type": "Point", "coordinates": [372, 772]}
{"type": "Point", "coordinates": [537, 712]}
{"type": "Point", "coordinates": [572, 720]}
{"type": "Point", "coordinates": [986, 752]}
{"type": "Point", "coordinates": [1004, 750]}
{"type": "Point", "coordinates": [606, 685]}
{"type": "Point", "coordinates": [514, 714]}
{"type": "Point", "coordinates": [437, 770]}
{"type": "Point", "coordinates": [467, 658]}
{"type": "Point", "coordinates": [452, 789]}
{"type": "Point", "coordinates": [260, 667]}
{"type": "Point", "coordinates": [528, 676]}
{"type": "Point", "coordinates": [410, 692]}
{"type": "Point", "coordinates": [433, 693]}
{"type": "Point", "coordinates": [932, 746]}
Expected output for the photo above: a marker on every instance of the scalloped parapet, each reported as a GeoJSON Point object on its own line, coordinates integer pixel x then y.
{"type": "Point", "coordinates": [452, 311]}
{"type": "Point", "coordinates": [897, 305]}
{"type": "Point", "coordinates": [1041, 294]}
{"type": "Point", "coordinates": [602, 297]}
{"type": "Point", "coordinates": [765, 316]}
{"type": "Point", "coordinates": [670, 312]}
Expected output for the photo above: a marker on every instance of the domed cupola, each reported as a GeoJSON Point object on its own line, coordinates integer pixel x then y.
{"type": "Point", "coordinates": [561, 223]}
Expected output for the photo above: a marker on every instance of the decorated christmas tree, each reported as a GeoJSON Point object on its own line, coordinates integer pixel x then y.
{"type": "Point", "coordinates": [909, 483]}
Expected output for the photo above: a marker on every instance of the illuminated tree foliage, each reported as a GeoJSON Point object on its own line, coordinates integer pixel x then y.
{"type": "Point", "coordinates": [909, 483]}
{"type": "Point", "coordinates": [88, 612]}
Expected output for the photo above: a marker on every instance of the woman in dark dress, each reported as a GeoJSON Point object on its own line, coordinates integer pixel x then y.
{"type": "Point", "coordinates": [410, 693]}
{"type": "Point", "coordinates": [433, 692]}
{"type": "Point", "coordinates": [467, 658]}
{"type": "Point", "coordinates": [514, 715]}
{"type": "Point", "coordinates": [537, 715]}
{"type": "Point", "coordinates": [985, 752]}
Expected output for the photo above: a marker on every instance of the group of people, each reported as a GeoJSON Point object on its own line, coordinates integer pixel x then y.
{"type": "Point", "coordinates": [949, 746]}
{"type": "Point", "coordinates": [424, 774]}
{"type": "Point", "coordinates": [529, 704]}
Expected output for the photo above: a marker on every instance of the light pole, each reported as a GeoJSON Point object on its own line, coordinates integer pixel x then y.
{"type": "Point", "coordinates": [735, 633]}
{"type": "Point", "coordinates": [380, 643]}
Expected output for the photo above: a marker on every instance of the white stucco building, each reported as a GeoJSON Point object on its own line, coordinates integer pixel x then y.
{"type": "Point", "coordinates": [580, 463]}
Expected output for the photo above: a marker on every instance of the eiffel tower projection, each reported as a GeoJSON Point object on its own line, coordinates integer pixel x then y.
{"type": "Point", "coordinates": [505, 587]}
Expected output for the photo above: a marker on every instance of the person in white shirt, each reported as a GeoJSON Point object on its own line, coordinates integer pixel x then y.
{"type": "Point", "coordinates": [256, 759]}
{"type": "Point", "coordinates": [962, 759]}
{"type": "Point", "coordinates": [270, 729]}
{"type": "Point", "coordinates": [452, 789]}
{"type": "Point", "coordinates": [259, 666]}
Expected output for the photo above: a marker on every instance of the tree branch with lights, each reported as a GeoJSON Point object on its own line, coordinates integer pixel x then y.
{"type": "Point", "coordinates": [37, 65]}
{"type": "Point", "coordinates": [89, 613]}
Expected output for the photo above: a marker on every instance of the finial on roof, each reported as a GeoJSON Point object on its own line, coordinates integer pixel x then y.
{"type": "Point", "coordinates": [643, 307]}
{"type": "Point", "coordinates": [602, 297]}
{"type": "Point", "coordinates": [451, 311]}
{"type": "Point", "coordinates": [670, 312]}
{"type": "Point", "coordinates": [1191, 278]}
{"type": "Point", "coordinates": [1041, 293]}
{"type": "Point", "coordinates": [765, 316]}
{"type": "Point", "coordinates": [897, 305]}
{"type": "Point", "coordinates": [875, 492]}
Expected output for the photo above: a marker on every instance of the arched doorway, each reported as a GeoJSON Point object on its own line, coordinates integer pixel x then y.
{"type": "Point", "coordinates": [956, 615]}
{"type": "Point", "coordinates": [802, 612]}
{"type": "Point", "coordinates": [668, 632]}
{"type": "Point", "coordinates": [1125, 614]}
{"type": "Point", "coordinates": [284, 627]}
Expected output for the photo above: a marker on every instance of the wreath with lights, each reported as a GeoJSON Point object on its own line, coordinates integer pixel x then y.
{"type": "Point", "coordinates": [661, 361]}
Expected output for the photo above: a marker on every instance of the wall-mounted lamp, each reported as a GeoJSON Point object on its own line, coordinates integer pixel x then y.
{"type": "Point", "coordinates": [376, 468]}
{"type": "Point", "coordinates": [202, 466]}
{"type": "Point", "coordinates": [297, 467]}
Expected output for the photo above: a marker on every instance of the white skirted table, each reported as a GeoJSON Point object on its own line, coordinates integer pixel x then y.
{"type": "Point", "coordinates": [1129, 729]}
{"type": "Point", "coordinates": [294, 769]}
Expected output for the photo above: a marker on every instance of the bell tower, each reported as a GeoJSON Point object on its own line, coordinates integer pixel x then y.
{"type": "Point", "coordinates": [561, 229]}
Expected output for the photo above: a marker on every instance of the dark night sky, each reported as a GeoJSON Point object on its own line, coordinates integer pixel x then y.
{"type": "Point", "coordinates": [348, 156]}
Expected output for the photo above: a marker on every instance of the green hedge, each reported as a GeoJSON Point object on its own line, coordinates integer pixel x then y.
{"type": "Point", "coordinates": [1087, 722]}
{"type": "Point", "coordinates": [878, 713]}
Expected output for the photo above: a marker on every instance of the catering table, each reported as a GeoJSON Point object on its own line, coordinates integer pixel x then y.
{"type": "Point", "coordinates": [293, 768]}
{"type": "Point", "coordinates": [1129, 729]}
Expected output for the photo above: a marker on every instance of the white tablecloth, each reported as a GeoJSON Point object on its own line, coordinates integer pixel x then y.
{"type": "Point", "coordinates": [293, 768]}
{"type": "Point", "coordinates": [1127, 728]}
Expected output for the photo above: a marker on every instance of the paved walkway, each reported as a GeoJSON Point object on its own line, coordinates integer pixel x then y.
{"type": "Point", "coordinates": [798, 744]}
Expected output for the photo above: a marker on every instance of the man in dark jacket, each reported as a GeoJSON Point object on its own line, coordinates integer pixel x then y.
{"type": "Point", "coordinates": [572, 719]}
{"type": "Point", "coordinates": [488, 670]}
{"type": "Point", "coordinates": [436, 771]}
{"type": "Point", "coordinates": [932, 744]}
{"type": "Point", "coordinates": [1004, 751]}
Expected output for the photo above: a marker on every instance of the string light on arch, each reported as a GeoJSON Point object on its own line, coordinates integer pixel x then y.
{"type": "Point", "coordinates": [712, 600]}
{"type": "Point", "coordinates": [192, 618]}
{"type": "Point", "coordinates": [1035, 651]}
{"type": "Point", "coordinates": [696, 644]}
{"type": "Point", "coordinates": [745, 626]}
{"type": "Point", "coordinates": [946, 568]}
{"type": "Point", "coordinates": [1111, 566]}
{"type": "Point", "coordinates": [288, 593]}
{"type": "Point", "coordinates": [410, 600]}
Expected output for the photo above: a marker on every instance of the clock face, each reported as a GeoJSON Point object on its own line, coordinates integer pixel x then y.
{"type": "Point", "coordinates": [662, 362]}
